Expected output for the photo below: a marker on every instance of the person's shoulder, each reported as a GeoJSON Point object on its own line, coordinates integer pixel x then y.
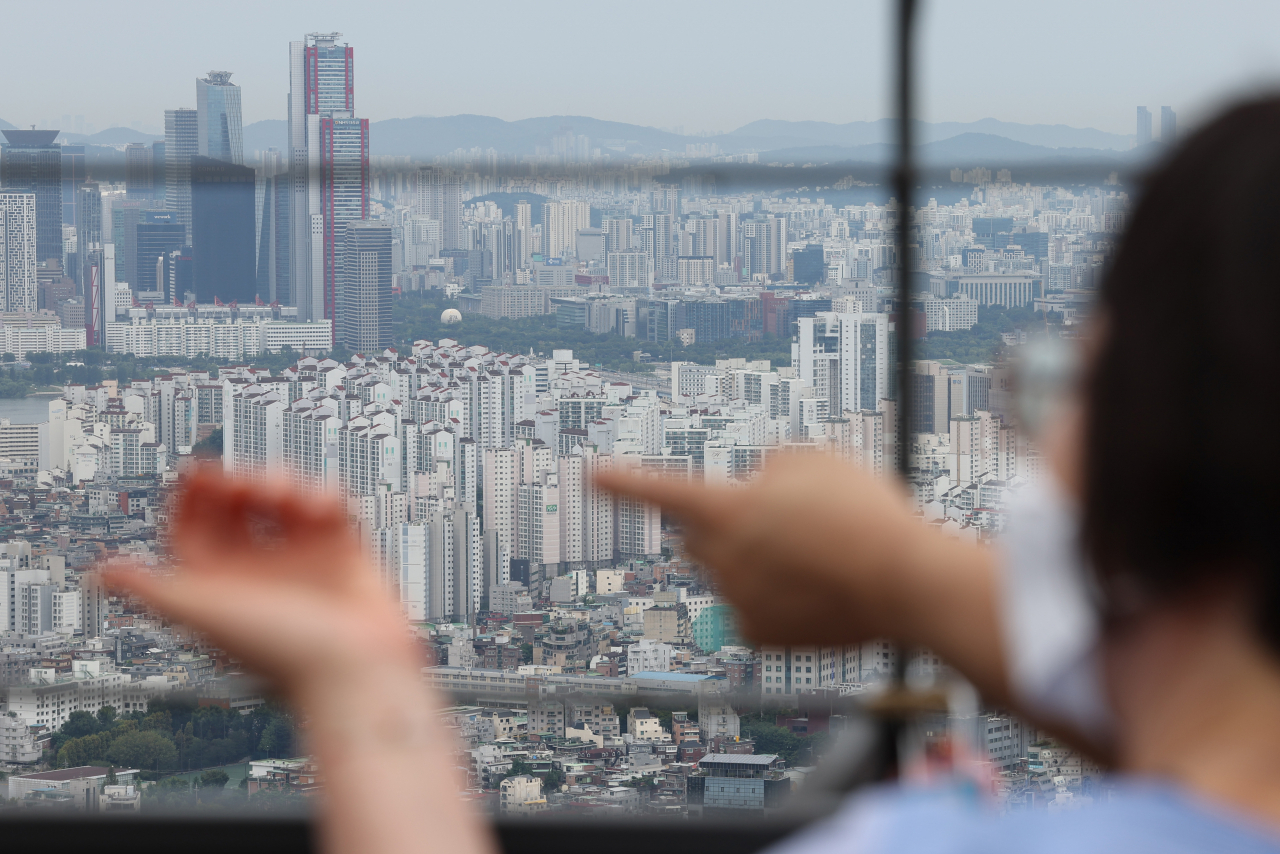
{"type": "Point", "coordinates": [955, 821]}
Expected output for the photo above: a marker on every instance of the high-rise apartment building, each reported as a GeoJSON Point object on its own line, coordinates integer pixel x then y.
{"type": "Point", "coordinates": [439, 197]}
{"type": "Point", "coordinates": [181, 143]}
{"type": "Point", "coordinates": [1144, 126]}
{"type": "Point", "coordinates": [329, 169]}
{"type": "Point", "coordinates": [561, 222]}
{"type": "Point", "coordinates": [30, 161]}
{"type": "Point", "coordinates": [846, 359]}
{"type": "Point", "coordinates": [764, 246]}
{"type": "Point", "coordinates": [617, 235]}
{"type": "Point", "coordinates": [17, 250]}
{"type": "Point", "coordinates": [1168, 126]}
{"type": "Point", "coordinates": [365, 318]}
{"type": "Point", "coordinates": [218, 126]}
{"type": "Point", "coordinates": [222, 222]}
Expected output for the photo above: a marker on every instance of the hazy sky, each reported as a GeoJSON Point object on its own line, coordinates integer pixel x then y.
{"type": "Point", "coordinates": [705, 65]}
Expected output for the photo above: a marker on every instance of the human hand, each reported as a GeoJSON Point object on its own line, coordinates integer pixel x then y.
{"type": "Point", "coordinates": [277, 579]}
{"type": "Point", "coordinates": [813, 551]}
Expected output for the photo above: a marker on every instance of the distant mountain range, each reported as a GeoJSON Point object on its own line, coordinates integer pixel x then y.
{"type": "Point", "coordinates": [110, 136]}
{"type": "Point", "coordinates": [964, 150]}
{"type": "Point", "coordinates": [985, 142]}
{"type": "Point", "coordinates": [769, 134]}
{"type": "Point", "coordinates": [426, 136]}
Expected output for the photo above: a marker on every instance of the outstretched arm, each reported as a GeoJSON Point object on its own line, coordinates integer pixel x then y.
{"type": "Point", "coordinates": [816, 551]}
{"type": "Point", "coordinates": [277, 579]}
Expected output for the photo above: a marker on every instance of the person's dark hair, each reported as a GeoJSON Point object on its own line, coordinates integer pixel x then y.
{"type": "Point", "coordinates": [1183, 397]}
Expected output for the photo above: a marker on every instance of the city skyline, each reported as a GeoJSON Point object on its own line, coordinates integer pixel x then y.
{"type": "Point", "coordinates": [847, 83]}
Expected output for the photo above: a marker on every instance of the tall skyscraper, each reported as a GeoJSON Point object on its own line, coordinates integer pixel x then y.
{"type": "Point", "coordinates": [181, 142]}
{"type": "Point", "coordinates": [1168, 126]}
{"type": "Point", "coordinates": [139, 174]}
{"type": "Point", "coordinates": [158, 171]}
{"type": "Point", "coordinates": [18, 243]}
{"type": "Point", "coordinates": [219, 131]}
{"type": "Point", "coordinates": [125, 215]}
{"type": "Point", "coordinates": [73, 175]}
{"type": "Point", "coordinates": [159, 233]}
{"type": "Point", "coordinates": [89, 231]}
{"type": "Point", "coordinates": [222, 220]}
{"type": "Point", "coordinates": [344, 194]}
{"type": "Point", "coordinates": [30, 161]}
{"type": "Point", "coordinates": [522, 237]}
{"type": "Point", "coordinates": [329, 169]}
{"type": "Point", "coordinates": [1144, 126]}
{"type": "Point", "coordinates": [366, 287]}
{"type": "Point", "coordinates": [439, 197]}
{"type": "Point", "coordinates": [271, 207]}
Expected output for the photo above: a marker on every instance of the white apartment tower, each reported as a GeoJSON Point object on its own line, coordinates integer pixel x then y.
{"type": "Point", "coordinates": [17, 251]}
{"type": "Point", "coordinates": [845, 358]}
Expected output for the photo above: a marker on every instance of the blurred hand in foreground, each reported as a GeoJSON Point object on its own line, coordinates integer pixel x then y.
{"type": "Point", "coordinates": [816, 551]}
{"type": "Point", "coordinates": [277, 579]}
{"type": "Point", "coordinates": [802, 552]}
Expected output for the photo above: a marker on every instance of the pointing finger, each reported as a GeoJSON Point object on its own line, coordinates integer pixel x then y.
{"type": "Point", "coordinates": [694, 503]}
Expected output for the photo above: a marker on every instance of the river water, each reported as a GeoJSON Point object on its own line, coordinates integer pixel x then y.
{"type": "Point", "coordinates": [26, 410]}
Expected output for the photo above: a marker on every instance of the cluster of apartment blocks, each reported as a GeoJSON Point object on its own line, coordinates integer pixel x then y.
{"type": "Point", "coordinates": [414, 440]}
{"type": "Point", "coordinates": [712, 267]}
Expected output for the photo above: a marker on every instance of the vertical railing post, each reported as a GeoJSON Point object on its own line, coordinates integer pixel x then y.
{"type": "Point", "coordinates": [904, 185]}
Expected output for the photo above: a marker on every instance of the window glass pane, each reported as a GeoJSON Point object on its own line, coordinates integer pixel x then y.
{"type": "Point", "coordinates": [454, 300]}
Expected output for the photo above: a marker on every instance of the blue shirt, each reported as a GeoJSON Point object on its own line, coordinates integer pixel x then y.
{"type": "Point", "coordinates": [1139, 818]}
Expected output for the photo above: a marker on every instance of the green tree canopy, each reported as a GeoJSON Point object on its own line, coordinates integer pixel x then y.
{"type": "Point", "coordinates": [277, 739]}
{"type": "Point", "coordinates": [146, 748]}
{"type": "Point", "coordinates": [214, 778]}
{"type": "Point", "coordinates": [80, 724]}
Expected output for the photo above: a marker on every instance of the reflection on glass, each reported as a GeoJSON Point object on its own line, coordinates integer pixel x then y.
{"type": "Point", "coordinates": [456, 342]}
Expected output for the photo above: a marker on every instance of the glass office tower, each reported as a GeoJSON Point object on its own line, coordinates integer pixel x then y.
{"type": "Point", "coordinates": [218, 124]}
{"type": "Point", "coordinates": [222, 221]}
{"type": "Point", "coordinates": [31, 161]}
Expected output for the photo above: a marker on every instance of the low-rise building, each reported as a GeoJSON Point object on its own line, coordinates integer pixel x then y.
{"type": "Point", "coordinates": [521, 795]}
{"type": "Point", "coordinates": [17, 743]}
{"type": "Point", "coordinates": [643, 725]}
{"type": "Point", "coordinates": [80, 781]}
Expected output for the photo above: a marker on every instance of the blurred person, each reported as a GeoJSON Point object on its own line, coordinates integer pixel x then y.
{"type": "Point", "coordinates": [1154, 539]}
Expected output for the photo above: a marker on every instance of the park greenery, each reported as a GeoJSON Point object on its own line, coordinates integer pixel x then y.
{"type": "Point", "coordinates": [175, 734]}
{"type": "Point", "coordinates": [417, 316]}
{"type": "Point", "coordinates": [982, 343]}
{"type": "Point", "coordinates": [795, 750]}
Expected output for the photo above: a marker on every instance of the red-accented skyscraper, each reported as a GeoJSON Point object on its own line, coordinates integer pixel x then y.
{"type": "Point", "coordinates": [329, 170]}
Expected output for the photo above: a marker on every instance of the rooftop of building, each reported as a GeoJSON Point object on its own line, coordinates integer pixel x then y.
{"type": "Point", "coordinates": [671, 676]}
{"type": "Point", "coordinates": [81, 772]}
{"type": "Point", "coordinates": [760, 759]}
